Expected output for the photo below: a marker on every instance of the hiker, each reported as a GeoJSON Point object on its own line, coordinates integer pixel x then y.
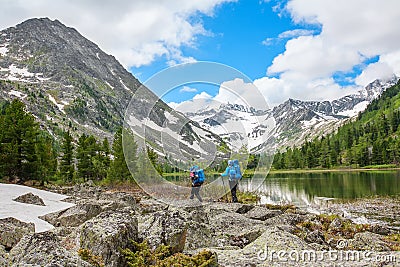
{"type": "Point", "coordinates": [235, 174]}
{"type": "Point", "coordinates": [197, 176]}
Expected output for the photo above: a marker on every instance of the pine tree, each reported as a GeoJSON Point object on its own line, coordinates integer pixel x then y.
{"type": "Point", "coordinates": [18, 142]}
{"type": "Point", "coordinates": [67, 166]}
{"type": "Point", "coordinates": [119, 170]}
{"type": "Point", "coordinates": [47, 158]}
{"type": "Point", "coordinates": [101, 161]}
{"type": "Point", "coordinates": [85, 154]}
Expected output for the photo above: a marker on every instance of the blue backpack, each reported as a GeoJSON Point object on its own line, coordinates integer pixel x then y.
{"type": "Point", "coordinates": [196, 171]}
{"type": "Point", "coordinates": [234, 170]}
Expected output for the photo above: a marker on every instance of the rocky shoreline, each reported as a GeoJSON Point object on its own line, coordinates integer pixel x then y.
{"type": "Point", "coordinates": [103, 222]}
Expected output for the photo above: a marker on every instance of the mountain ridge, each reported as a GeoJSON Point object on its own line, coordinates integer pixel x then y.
{"type": "Point", "coordinates": [64, 78]}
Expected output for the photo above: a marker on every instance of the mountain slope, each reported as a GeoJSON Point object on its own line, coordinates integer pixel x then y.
{"type": "Point", "coordinates": [371, 139]}
{"type": "Point", "coordinates": [298, 120]}
{"type": "Point", "coordinates": [295, 120]}
{"type": "Point", "coordinates": [64, 78]}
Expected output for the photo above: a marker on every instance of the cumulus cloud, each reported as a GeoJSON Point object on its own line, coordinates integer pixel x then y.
{"type": "Point", "coordinates": [236, 91]}
{"type": "Point", "coordinates": [136, 32]}
{"type": "Point", "coordinates": [199, 101]}
{"type": "Point", "coordinates": [351, 32]}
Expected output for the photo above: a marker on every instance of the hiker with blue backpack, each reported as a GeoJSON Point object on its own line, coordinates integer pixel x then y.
{"type": "Point", "coordinates": [197, 176]}
{"type": "Point", "coordinates": [235, 174]}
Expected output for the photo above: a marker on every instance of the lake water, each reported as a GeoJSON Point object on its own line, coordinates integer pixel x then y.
{"type": "Point", "coordinates": [305, 189]}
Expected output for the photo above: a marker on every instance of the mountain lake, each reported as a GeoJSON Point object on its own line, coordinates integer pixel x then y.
{"type": "Point", "coordinates": [315, 188]}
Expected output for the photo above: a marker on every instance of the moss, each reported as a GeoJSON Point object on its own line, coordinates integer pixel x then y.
{"type": "Point", "coordinates": [280, 207]}
{"type": "Point", "coordinates": [247, 197]}
{"type": "Point", "coordinates": [87, 255]}
{"type": "Point", "coordinates": [393, 241]}
{"type": "Point", "coordinates": [142, 256]}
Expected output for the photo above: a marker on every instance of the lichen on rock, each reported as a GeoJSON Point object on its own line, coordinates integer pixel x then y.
{"type": "Point", "coordinates": [30, 198]}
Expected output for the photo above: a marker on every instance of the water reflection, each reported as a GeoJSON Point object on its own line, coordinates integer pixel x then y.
{"type": "Point", "coordinates": [307, 189]}
{"type": "Point", "coordinates": [304, 189]}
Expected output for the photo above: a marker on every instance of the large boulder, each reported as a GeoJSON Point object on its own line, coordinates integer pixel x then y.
{"type": "Point", "coordinates": [107, 233]}
{"type": "Point", "coordinates": [165, 227]}
{"type": "Point", "coordinates": [258, 253]}
{"type": "Point", "coordinates": [3, 257]}
{"type": "Point", "coordinates": [12, 230]}
{"type": "Point", "coordinates": [43, 249]}
{"type": "Point", "coordinates": [30, 198]}
{"type": "Point", "coordinates": [74, 216]}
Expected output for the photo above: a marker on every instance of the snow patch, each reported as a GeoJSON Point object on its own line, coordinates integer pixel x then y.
{"type": "Point", "coordinates": [126, 87]}
{"type": "Point", "coordinates": [3, 50]}
{"type": "Point", "coordinates": [59, 106]}
{"type": "Point", "coordinates": [29, 212]}
{"type": "Point", "coordinates": [97, 55]}
{"type": "Point", "coordinates": [357, 108]}
{"type": "Point", "coordinates": [112, 87]}
{"type": "Point", "coordinates": [17, 94]}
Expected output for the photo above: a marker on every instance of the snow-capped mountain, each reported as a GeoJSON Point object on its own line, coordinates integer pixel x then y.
{"type": "Point", "coordinates": [298, 120]}
{"type": "Point", "coordinates": [63, 78]}
{"type": "Point", "coordinates": [240, 126]}
{"type": "Point", "coordinates": [288, 124]}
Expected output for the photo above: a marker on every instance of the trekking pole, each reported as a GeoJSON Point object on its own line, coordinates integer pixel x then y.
{"type": "Point", "coordinates": [223, 185]}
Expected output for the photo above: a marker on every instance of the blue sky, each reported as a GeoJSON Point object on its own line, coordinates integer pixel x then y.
{"type": "Point", "coordinates": [237, 31]}
{"type": "Point", "coordinates": [301, 49]}
{"type": "Point", "coordinates": [243, 35]}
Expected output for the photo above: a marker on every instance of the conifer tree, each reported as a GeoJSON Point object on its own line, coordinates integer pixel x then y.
{"type": "Point", "coordinates": [119, 170]}
{"type": "Point", "coordinates": [67, 166]}
{"type": "Point", "coordinates": [18, 142]}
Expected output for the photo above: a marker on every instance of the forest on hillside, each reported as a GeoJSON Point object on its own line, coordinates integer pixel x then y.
{"type": "Point", "coordinates": [28, 152]}
{"type": "Point", "coordinates": [371, 139]}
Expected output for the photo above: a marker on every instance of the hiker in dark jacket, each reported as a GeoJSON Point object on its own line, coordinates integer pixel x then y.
{"type": "Point", "coordinates": [197, 181]}
{"type": "Point", "coordinates": [234, 174]}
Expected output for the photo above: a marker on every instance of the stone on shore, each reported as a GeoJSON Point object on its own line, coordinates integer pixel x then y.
{"type": "Point", "coordinates": [107, 233]}
{"type": "Point", "coordinates": [30, 198]}
{"type": "Point", "coordinates": [12, 230]}
{"type": "Point", "coordinates": [43, 249]}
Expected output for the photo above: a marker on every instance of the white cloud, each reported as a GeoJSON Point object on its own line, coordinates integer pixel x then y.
{"type": "Point", "coordinates": [378, 69]}
{"type": "Point", "coordinates": [351, 32]}
{"type": "Point", "coordinates": [295, 33]}
{"type": "Point", "coordinates": [199, 101]}
{"type": "Point", "coordinates": [240, 92]}
{"type": "Point", "coordinates": [287, 35]}
{"type": "Point", "coordinates": [187, 89]}
{"type": "Point", "coordinates": [235, 91]}
{"type": "Point", "coordinates": [136, 32]}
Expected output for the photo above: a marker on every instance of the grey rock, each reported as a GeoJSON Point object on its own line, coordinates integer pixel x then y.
{"type": "Point", "coordinates": [75, 215]}
{"type": "Point", "coordinates": [30, 198]}
{"type": "Point", "coordinates": [109, 232]}
{"type": "Point", "coordinates": [258, 252]}
{"type": "Point", "coordinates": [368, 241]}
{"type": "Point", "coordinates": [286, 219]}
{"type": "Point", "coordinates": [262, 214]}
{"type": "Point", "coordinates": [3, 257]}
{"type": "Point", "coordinates": [166, 227]}
{"type": "Point", "coordinates": [315, 237]}
{"type": "Point", "coordinates": [43, 249]}
{"type": "Point", "coordinates": [244, 209]}
{"type": "Point", "coordinates": [12, 230]}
